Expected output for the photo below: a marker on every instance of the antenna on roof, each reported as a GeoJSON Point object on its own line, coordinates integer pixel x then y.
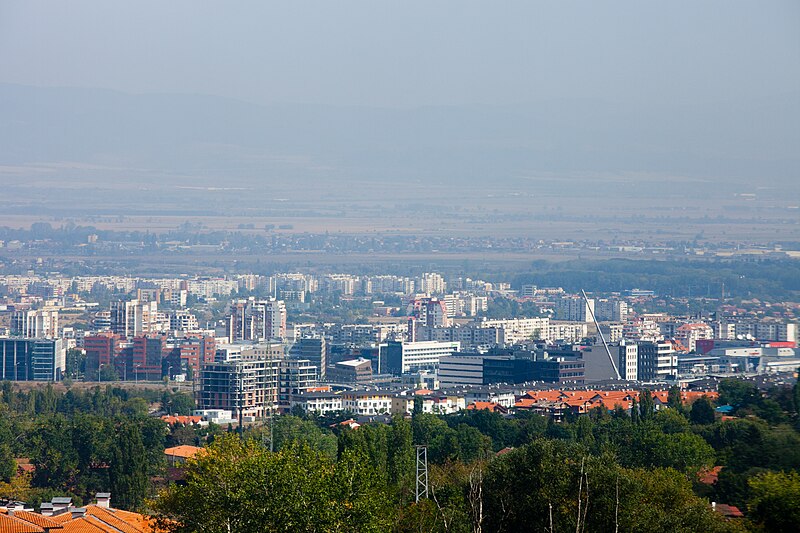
{"type": "Point", "coordinates": [600, 332]}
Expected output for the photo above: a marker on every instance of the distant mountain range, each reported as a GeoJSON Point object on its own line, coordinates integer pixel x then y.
{"type": "Point", "coordinates": [213, 141]}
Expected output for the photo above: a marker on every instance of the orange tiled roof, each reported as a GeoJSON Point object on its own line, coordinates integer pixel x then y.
{"type": "Point", "coordinates": [729, 511]}
{"type": "Point", "coordinates": [61, 518]}
{"type": "Point", "coordinates": [183, 451]}
{"type": "Point", "coordinates": [111, 518]}
{"type": "Point", "coordinates": [84, 525]}
{"type": "Point", "coordinates": [709, 476]}
{"type": "Point", "coordinates": [351, 423]}
{"type": "Point", "coordinates": [181, 419]}
{"type": "Point", "coordinates": [550, 395]}
{"type": "Point", "coordinates": [12, 524]}
{"type": "Point", "coordinates": [612, 403]}
{"type": "Point", "coordinates": [102, 519]}
{"type": "Point", "coordinates": [37, 519]}
{"type": "Point", "coordinates": [491, 406]}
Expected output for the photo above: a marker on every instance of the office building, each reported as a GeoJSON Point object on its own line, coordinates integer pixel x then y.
{"type": "Point", "coordinates": [484, 369]}
{"type": "Point", "coordinates": [657, 361]}
{"type": "Point", "coordinates": [32, 359]}
{"type": "Point", "coordinates": [401, 357]}
{"type": "Point", "coordinates": [313, 349]}
{"type": "Point", "coordinates": [351, 371]}
{"type": "Point", "coordinates": [598, 366]}
{"type": "Point", "coordinates": [101, 351]}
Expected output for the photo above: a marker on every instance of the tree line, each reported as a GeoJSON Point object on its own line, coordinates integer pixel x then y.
{"type": "Point", "coordinates": [606, 471]}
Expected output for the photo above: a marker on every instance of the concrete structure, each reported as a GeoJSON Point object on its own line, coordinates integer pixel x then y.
{"type": "Point", "coordinates": [430, 312]}
{"type": "Point", "coordinates": [257, 320]}
{"type": "Point", "coordinates": [321, 403]}
{"type": "Point", "coordinates": [296, 376]}
{"type": "Point", "coordinates": [689, 334]}
{"type": "Point", "coordinates": [133, 317]}
{"type": "Point", "coordinates": [249, 386]}
{"type": "Point", "coordinates": [351, 371]}
{"type": "Point", "coordinates": [183, 321]}
{"type": "Point", "coordinates": [431, 283]}
{"type": "Point", "coordinates": [575, 309]}
{"type": "Point", "coordinates": [313, 349]}
{"type": "Point", "coordinates": [612, 331]}
{"type": "Point", "coordinates": [657, 361]}
{"type": "Point", "coordinates": [598, 367]}
{"type": "Point", "coordinates": [611, 310]}
{"type": "Point", "coordinates": [367, 402]}
{"type": "Point", "coordinates": [401, 357]}
{"type": "Point", "coordinates": [39, 324]}
{"type": "Point", "coordinates": [518, 330]}
{"type": "Point", "coordinates": [215, 416]}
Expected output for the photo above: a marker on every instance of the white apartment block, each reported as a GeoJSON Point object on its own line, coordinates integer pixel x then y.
{"type": "Point", "coordinates": [367, 402]}
{"type": "Point", "coordinates": [39, 324]}
{"type": "Point", "coordinates": [431, 283]}
{"type": "Point", "coordinates": [574, 308]}
{"type": "Point", "coordinates": [517, 330]}
{"type": "Point", "coordinates": [567, 331]}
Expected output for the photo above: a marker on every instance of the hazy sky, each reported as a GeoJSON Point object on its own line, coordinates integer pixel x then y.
{"type": "Point", "coordinates": [409, 53]}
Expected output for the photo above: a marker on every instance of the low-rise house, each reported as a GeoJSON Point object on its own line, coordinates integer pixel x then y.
{"type": "Point", "coordinates": [367, 402]}
{"type": "Point", "coordinates": [488, 406]}
{"type": "Point", "coordinates": [60, 515]}
{"type": "Point", "coordinates": [174, 420]}
{"type": "Point", "coordinates": [322, 403]}
{"type": "Point", "coordinates": [180, 454]}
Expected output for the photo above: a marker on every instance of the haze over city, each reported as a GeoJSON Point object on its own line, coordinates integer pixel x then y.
{"type": "Point", "coordinates": [439, 103]}
{"type": "Point", "coordinates": [442, 267]}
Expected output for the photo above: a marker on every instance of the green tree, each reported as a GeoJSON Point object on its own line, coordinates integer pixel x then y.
{"type": "Point", "coordinates": [646, 405]}
{"type": "Point", "coordinates": [53, 455]}
{"type": "Point", "coordinates": [178, 403]}
{"type": "Point", "coordinates": [75, 363]}
{"type": "Point", "coordinates": [685, 452]}
{"type": "Point", "coordinates": [8, 467]}
{"type": "Point", "coordinates": [796, 393]}
{"type": "Point", "coordinates": [671, 421]}
{"type": "Point", "coordinates": [108, 373]}
{"type": "Point", "coordinates": [588, 493]}
{"type": "Point", "coordinates": [128, 469]}
{"type": "Point", "coordinates": [288, 429]}
{"type": "Point", "coordinates": [775, 502]}
{"type": "Point", "coordinates": [674, 399]}
{"type": "Point", "coordinates": [702, 411]}
{"type": "Point", "coordinates": [238, 486]}
{"type": "Point", "coordinates": [737, 393]}
{"type": "Point", "coordinates": [401, 457]}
